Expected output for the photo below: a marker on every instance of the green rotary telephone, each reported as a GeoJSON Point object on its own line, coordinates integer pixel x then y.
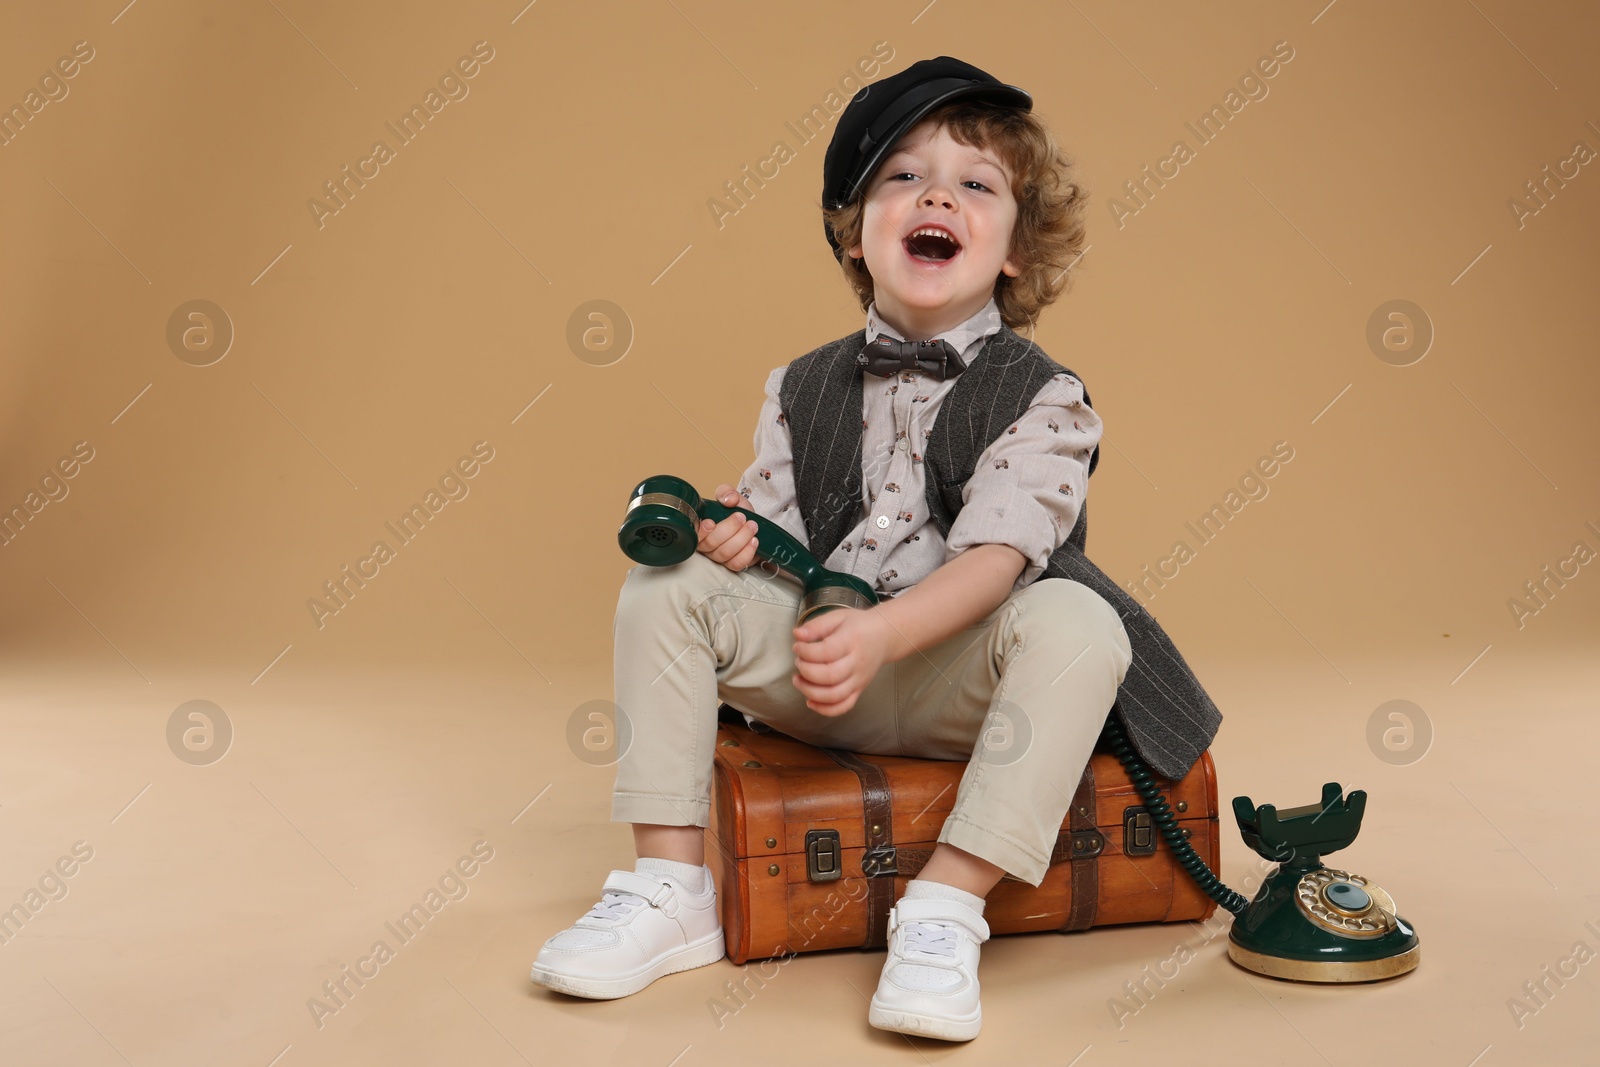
{"type": "Point", "coordinates": [1309, 921]}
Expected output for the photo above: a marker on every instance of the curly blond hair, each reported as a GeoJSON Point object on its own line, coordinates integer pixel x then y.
{"type": "Point", "coordinates": [1049, 231]}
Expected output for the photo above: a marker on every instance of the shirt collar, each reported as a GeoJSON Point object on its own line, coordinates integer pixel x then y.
{"type": "Point", "coordinates": [984, 323]}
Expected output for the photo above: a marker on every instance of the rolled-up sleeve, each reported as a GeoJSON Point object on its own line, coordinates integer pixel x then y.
{"type": "Point", "coordinates": [1030, 482]}
{"type": "Point", "coordinates": [768, 483]}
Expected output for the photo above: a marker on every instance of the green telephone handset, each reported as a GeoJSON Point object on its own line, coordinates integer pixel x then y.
{"type": "Point", "coordinates": [1308, 922]}
{"type": "Point", "coordinates": [659, 529]}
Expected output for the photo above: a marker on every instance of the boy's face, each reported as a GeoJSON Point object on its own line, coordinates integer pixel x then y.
{"type": "Point", "coordinates": [926, 284]}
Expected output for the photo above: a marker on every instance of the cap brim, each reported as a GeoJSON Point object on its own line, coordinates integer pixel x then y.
{"type": "Point", "coordinates": [877, 143]}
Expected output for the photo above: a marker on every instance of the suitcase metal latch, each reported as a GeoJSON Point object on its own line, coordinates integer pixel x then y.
{"type": "Point", "coordinates": [1138, 831]}
{"type": "Point", "coordinates": [822, 855]}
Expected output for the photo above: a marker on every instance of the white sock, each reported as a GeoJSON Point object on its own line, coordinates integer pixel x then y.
{"type": "Point", "coordinates": [691, 877]}
{"type": "Point", "coordinates": [921, 888]}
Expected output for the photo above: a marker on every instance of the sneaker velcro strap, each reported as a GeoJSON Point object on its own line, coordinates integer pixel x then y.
{"type": "Point", "coordinates": [653, 889]}
{"type": "Point", "coordinates": [941, 911]}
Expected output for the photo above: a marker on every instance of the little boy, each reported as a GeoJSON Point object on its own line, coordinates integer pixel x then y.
{"type": "Point", "coordinates": [954, 218]}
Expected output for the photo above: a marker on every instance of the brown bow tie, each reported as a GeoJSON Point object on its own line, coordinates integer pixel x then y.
{"type": "Point", "coordinates": [886, 357]}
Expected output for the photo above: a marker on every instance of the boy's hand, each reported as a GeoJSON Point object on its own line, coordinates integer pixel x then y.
{"type": "Point", "coordinates": [731, 542]}
{"type": "Point", "coordinates": [837, 654]}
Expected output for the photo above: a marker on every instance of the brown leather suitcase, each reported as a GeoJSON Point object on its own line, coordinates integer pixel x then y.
{"type": "Point", "coordinates": [810, 847]}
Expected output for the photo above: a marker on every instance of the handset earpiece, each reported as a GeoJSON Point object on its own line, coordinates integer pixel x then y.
{"type": "Point", "coordinates": [659, 529]}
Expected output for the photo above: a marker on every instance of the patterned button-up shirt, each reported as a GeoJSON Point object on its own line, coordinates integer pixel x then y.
{"type": "Point", "coordinates": [1025, 492]}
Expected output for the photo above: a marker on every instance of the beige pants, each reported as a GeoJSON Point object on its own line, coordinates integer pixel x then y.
{"type": "Point", "coordinates": [1020, 696]}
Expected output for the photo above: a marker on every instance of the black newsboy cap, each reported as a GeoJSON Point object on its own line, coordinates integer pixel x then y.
{"type": "Point", "coordinates": [881, 113]}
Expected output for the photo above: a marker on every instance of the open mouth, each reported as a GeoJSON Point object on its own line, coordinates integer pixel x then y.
{"type": "Point", "coordinates": [931, 245]}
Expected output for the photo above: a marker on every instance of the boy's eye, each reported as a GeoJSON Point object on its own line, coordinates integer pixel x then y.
{"type": "Point", "coordinates": [909, 174]}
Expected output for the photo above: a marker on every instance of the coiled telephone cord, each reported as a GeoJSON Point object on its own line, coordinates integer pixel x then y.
{"type": "Point", "coordinates": [1144, 782]}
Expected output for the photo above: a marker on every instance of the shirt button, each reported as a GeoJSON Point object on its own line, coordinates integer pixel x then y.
{"type": "Point", "coordinates": [901, 445]}
{"type": "Point", "coordinates": [883, 522]}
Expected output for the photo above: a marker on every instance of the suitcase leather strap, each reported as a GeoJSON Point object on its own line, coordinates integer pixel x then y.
{"type": "Point", "coordinates": [878, 864]}
{"type": "Point", "coordinates": [1085, 875]}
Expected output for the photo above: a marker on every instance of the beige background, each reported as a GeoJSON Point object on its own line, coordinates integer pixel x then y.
{"type": "Point", "coordinates": [371, 353]}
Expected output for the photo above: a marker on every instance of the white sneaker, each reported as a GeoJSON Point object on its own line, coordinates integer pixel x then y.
{"type": "Point", "coordinates": [929, 984]}
{"type": "Point", "coordinates": [644, 926]}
